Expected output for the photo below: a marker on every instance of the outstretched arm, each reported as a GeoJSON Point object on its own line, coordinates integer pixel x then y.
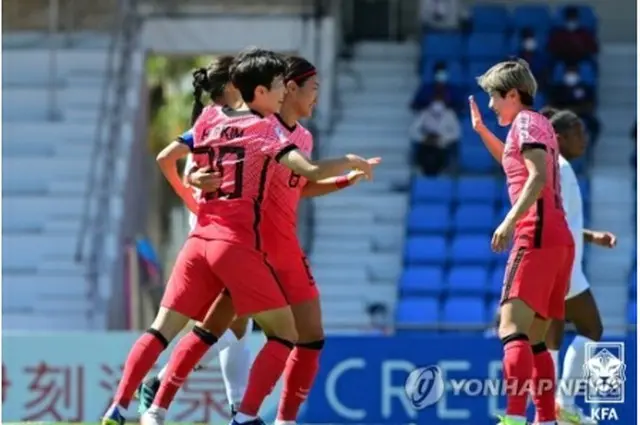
{"type": "Point", "coordinates": [334, 184]}
{"type": "Point", "coordinates": [494, 145]}
{"type": "Point", "coordinates": [605, 239]}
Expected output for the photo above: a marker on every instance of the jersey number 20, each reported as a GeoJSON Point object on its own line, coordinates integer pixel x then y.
{"type": "Point", "coordinates": [215, 160]}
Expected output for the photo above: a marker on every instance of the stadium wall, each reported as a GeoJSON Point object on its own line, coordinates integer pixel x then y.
{"type": "Point", "coordinates": [361, 380]}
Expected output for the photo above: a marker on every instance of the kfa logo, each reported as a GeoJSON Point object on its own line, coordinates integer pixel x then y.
{"type": "Point", "coordinates": [600, 414]}
{"type": "Point", "coordinates": [604, 371]}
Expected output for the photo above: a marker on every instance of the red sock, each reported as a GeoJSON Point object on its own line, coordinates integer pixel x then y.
{"type": "Point", "coordinates": [184, 358]}
{"type": "Point", "coordinates": [544, 384]}
{"type": "Point", "coordinates": [517, 368]}
{"type": "Point", "coordinates": [265, 372]}
{"type": "Point", "coordinates": [141, 359]}
{"type": "Point", "coordinates": [299, 374]}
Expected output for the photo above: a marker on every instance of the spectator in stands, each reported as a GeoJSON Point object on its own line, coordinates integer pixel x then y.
{"type": "Point", "coordinates": [578, 97]}
{"type": "Point", "coordinates": [379, 317]}
{"type": "Point", "coordinates": [435, 133]}
{"type": "Point", "coordinates": [534, 55]}
{"type": "Point", "coordinates": [572, 43]}
{"type": "Point", "coordinates": [438, 15]}
{"type": "Point", "coordinates": [440, 86]}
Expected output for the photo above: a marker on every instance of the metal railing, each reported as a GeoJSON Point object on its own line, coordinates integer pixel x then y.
{"type": "Point", "coordinates": [96, 217]}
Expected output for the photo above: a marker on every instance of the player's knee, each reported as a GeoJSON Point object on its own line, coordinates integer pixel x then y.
{"type": "Point", "coordinates": [538, 348]}
{"type": "Point", "coordinates": [283, 341]}
{"type": "Point", "coordinates": [169, 323]}
{"type": "Point", "coordinates": [512, 337]}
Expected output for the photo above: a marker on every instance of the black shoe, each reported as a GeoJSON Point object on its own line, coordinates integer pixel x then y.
{"type": "Point", "coordinates": [147, 392]}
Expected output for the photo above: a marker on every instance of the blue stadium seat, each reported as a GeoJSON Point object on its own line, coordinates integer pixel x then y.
{"type": "Point", "coordinates": [467, 280]}
{"type": "Point", "coordinates": [475, 218]}
{"type": "Point", "coordinates": [426, 250]}
{"type": "Point", "coordinates": [632, 312]}
{"type": "Point", "coordinates": [429, 219]}
{"type": "Point", "coordinates": [442, 46]}
{"type": "Point", "coordinates": [489, 18]}
{"type": "Point", "coordinates": [497, 279]}
{"type": "Point", "coordinates": [478, 189]}
{"type": "Point", "coordinates": [466, 249]}
{"type": "Point", "coordinates": [541, 36]}
{"type": "Point", "coordinates": [432, 189]}
{"type": "Point", "coordinates": [455, 74]}
{"type": "Point", "coordinates": [476, 69]}
{"type": "Point", "coordinates": [588, 18]}
{"type": "Point", "coordinates": [587, 72]}
{"type": "Point", "coordinates": [422, 280]}
{"type": "Point", "coordinates": [464, 310]}
{"type": "Point", "coordinates": [486, 46]}
{"type": "Point", "coordinates": [537, 17]}
{"type": "Point", "coordinates": [417, 311]}
{"type": "Point", "coordinates": [476, 159]}
{"type": "Point", "coordinates": [585, 189]}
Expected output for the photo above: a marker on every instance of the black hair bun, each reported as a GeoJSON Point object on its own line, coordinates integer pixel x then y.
{"type": "Point", "coordinates": [201, 80]}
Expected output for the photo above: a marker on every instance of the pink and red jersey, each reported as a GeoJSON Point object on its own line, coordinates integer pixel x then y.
{"type": "Point", "coordinates": [281, 206]}
{"type": "Point", "coordinates": [544, 225]}
{"type": "Point", "coordinates": [244, 148]}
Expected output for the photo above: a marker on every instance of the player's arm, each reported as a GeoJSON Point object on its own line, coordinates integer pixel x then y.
{"type": "Point", "coordinates": [168, 159]}
{"type": "Point", "coordinates": [494, 145]}
{"type": "Point", "coordinates": [535, 159]}
{"type": "Point", "coordinates": [596, 237]}
{"type": "Point", "coordinates": [292, 158]}
{"type": "Point", "coordinates": [334, 184]}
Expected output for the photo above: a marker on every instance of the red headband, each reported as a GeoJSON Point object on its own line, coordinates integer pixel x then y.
{"type": "Point", "coordinates": [307, 74]}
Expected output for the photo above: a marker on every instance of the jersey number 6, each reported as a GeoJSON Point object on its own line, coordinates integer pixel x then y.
{"type": "Point", "coordinates": [215, 159]}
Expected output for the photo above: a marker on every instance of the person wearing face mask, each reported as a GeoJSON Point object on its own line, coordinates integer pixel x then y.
{"type": "Point", "coordinates": [572, 43]}
{"type": "Point", "coordinates": [437, 15]}
{"type": "Point", "coordinates": [434, 134]}
{"type": "Point", "coordinates": [529, 50]}
{"type": "Point", "coordinates": [439, 85]}
{"type": "Point", "coordinates": [573, 94]}
{"type": "Point", "coordinates": [379, 317]}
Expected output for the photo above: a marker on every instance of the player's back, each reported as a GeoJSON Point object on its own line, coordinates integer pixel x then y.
{"type": "Point", "coordinates": [285, 189]}
{"type": "Point", "coordinates": [544, 225]}
{"type": "Point", "coordinates": [241, 146]}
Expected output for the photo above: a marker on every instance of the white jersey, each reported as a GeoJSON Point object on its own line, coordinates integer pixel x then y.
{"type": "Point", "coordinates": [572, 203]}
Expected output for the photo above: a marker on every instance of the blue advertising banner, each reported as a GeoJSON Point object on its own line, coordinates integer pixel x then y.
{"type": "Point", "coordinates": [362, 380]}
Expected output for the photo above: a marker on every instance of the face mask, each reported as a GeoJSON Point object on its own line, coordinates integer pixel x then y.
{"type": "Point", "coordinates": [571, 78]}
{"type": "Point", "coordinates": [441, 76]}
{"type": "Point", "coordinates": [437, 106]}
{"type": "Point", "coordinates": [530, 44]}
{"type": "Point", "coordinates": [572, 25]}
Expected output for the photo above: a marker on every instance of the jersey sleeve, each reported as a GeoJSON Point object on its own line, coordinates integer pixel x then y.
{"type": "Point", "coordinates": [529, 133]}
{"type": "Point", "coordinates": [276, 144]}
{"type": "Point", "coordinates": [186, 138]}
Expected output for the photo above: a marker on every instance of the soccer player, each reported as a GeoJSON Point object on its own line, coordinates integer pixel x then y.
{"type": "Point", "coordinates": [541, 259]}
{"type": "Point", "coordinates": [225, 248]}
{"type": "Point", "coordinates": [284, 252]}
{"type": "Point", "coordinates": [234, 355]}
{"type": "Point", "coordinates": [580, 305]}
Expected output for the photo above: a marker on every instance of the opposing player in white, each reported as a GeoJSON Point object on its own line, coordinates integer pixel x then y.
{"type": "Point", "coordinates": [234, 355]}
{"type": "Point", "coordinates": [581, 309]}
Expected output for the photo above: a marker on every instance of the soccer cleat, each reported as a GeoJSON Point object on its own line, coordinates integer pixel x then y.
{"type": "Point", "coordinates": [113, 417]}
{"type": "Point", "coordinates": [146, 393]}
{"type": "Point", "coordinates": [256, 421]}
{"type": "Point", "coordinates": [153, 417]}
{"type": "Point", "coordinates": [508, 421]}
{"type": "Point", "coordinates": [572, 415]}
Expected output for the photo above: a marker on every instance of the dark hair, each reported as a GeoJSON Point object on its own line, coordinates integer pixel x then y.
{"type": "Point", "coordinates": [548, 112]}
{"type": "Point", "coordinates": [253, 68]}
{"type": "Point", "coordinates": [299, 70]}
{"type": "Point", "coordinates": [527, 32]}
{"type": "Point", "coordinates": [571, 12]}
{"type": "Point", "coordinates": [563, 121]}
{"type": "Point", "coordinates": [211, 80]}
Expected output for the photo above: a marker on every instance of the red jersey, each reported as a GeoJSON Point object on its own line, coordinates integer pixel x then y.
{"type": "Point", "coordinates": [281, 205]}
{"type": "Point", "coordinates": [544, 224]}
{"type": "Point", "coordinates": [243, 147]}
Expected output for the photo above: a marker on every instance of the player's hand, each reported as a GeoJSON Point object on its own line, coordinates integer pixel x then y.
{"type": "Point", "coordinates": [502, 236]}
{"type": "Point", "coordinates": [204, 179]}
{"type": "Point", "coordinates": [355, 176]}
{"type": "Point", "coordinates": [476, 117]}
{"type": "Point", "coordinates": [605, 239]}
{"type": "Point", "coordinates": [357, 163]}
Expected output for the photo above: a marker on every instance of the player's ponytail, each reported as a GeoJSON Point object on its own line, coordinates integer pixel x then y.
{"type": "Point", "coordinates": [299, 70]}
{"type": "Point", "coordinates": [200, 85]}
{"type": "Point", "coordinates": [211, 80]}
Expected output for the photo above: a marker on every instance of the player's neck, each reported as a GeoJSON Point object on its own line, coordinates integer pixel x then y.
{"type": "Point", "coordinates": [288, 115]}
{"type": "Point", "coordinates": [255, 108]}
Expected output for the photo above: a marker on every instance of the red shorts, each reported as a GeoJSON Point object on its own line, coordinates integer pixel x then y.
{"type": "Point", "coordinates": [205, 267]}
{"type": "Point", "coordinates": [540, 277]}
{"type": "Point", "coordinates": [293, 269]}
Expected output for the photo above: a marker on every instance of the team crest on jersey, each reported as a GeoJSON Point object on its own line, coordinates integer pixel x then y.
{"type": "Point", "coordinates": [280, 133]}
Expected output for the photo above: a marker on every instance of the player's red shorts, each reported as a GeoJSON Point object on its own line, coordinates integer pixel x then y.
{"type": "Point", "coordinates": [293, 269]}
{"type": "Point", "coordinates": [540, 277]}
{"type": "Point", "coordinates": [205, 267]}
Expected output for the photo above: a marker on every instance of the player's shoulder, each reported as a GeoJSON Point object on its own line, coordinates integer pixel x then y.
{"type": "Point", "coordinates": [566, 169]}
{"type": "Point", "coordinates": [528, 118]}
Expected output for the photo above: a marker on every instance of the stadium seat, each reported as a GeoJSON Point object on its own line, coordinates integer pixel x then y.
{"type": "Point", "coordinates": [467, 280]}
{"type": "Point", "coordinates": [632, 312]}
{"type": "Point", "coordinates": [476, 159]}
{"type": "Point", "coordinates": [474, 218]}
{"type": "Point", "coordinates": [442, 46]}
{"type": "Point", "coordinates": [587, 71]}
{"type": "Point", "coordinates": [417, 311]}
{"type": "Point", "coordinates": [466, 249]}
{"type": "Point", "coordinates": [476, 69]}
{"type": "Point", "coordinates": [422, 280]}
{"type": "Point", "coordinates": [486, 46]}
{"type": "Point", "coordinates": [455, 74]}
{"type": "Point", "coordinates": [429, 219]}
{"type": "Point", "coordinates": [464, 310]}
{"type": "Point", "coordinates": [432, 189]}
{"type": "Point", "coordinates": [489, 18]}
{"type": "Point", "coordinates": [537, 17]}
{"type": "Point", "coordinates": [588, 18]}
{"type": "Point", "coordinates": [515, 41]}
{"type": "Point", "coordinates": [426, 250]}
{"type": "Point", "coordinates": [497, 279]}
{"type": "Point", "coordinates": [477, 189]}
